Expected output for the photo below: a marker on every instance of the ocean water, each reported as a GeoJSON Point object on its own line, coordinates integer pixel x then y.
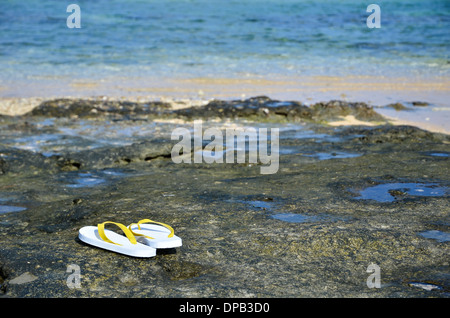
{"type": "Point", "coordinates": [123, 39]}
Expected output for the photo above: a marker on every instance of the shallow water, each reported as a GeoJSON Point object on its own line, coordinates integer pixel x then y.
{"type": "Point", "coordinates": [295, 218]}
{"type": "Point", "coordinates": [10, 208]}
{"type": "Point", "coordinates": [261, 204]}
{"type": "Point", "coordinates": [86, 181]}
{"type": "Point", "coordinates": [78, 179]}
{"type": "Point", "coordinates": [60, 135]}
{"type": "Point", "coordinates": [274, 207]}
{"type": "Point", "coordinates": [389, 191]}
{"type": "Point", "coordinates": [296, 131]}
{"type": "Point", "coordinates": [440, 154]}
{"type": "Point", "coordinates": [334, 155]}
{"type": "Point", "coordinates": [426, 286]}
{"type": "Point", "coordinates": [436, 235]}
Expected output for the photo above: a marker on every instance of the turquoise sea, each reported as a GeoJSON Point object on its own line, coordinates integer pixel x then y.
{"type": "Point", "coordinates": [219, 39]}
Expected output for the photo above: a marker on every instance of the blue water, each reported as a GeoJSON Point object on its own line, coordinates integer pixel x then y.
{"type": "Point", "coordinates": [381, 192]}
{"type": "Point", "coordinates": [10, 208]}
{"type": "Point", "coordinates": [221, 38]}
{"type": "Point", "coordinates": [437, 235]}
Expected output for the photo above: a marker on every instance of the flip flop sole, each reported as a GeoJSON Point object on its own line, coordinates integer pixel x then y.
{"type": "Point", "coordinates": [90, 235]}
{"type": "Point", "coordinates": [159, 234]}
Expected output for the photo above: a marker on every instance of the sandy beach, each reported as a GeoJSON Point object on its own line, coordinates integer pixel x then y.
{"type": "Point", "coordinates": [376, 91]}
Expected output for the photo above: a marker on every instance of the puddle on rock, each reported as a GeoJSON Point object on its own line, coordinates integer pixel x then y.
{"type": "Point", "coordinates": [10, 208]}
{"type": "Point", "coordinates": [60, 135]}
{"type": "Point", "coordinates": [269, 205]}
{"type": "Point", "coordinates": [114, 172]}
{"type": "Point", "coordinates": [390, 192]}
{"type": "Point", "coordinates": [302, 218]}
{"type": "Point", "coordinates": [440, 154]}
{"type": "Point", "coordinates": [89, 179]}
{"type": "Point", "coordinates": [261, 204]}
{"type": "Point", "coordinates": [265, 204]}
{"type": "Point", "coordinates": [86, 181]}
{"type": "Point", "coordinates": [436, 235]}
{"type": "Point", "coordinates": [51, 144]}
{"type": "Point", "coordinates": [289, 150]}
{"type": "Point", "coordinates": [5, 208]}
{"type": "Point", "coordinates": [276, 104]}
{"type": "Point", "coordinates": [308, 133]}
{"type": "Point", "coordinates": [296, 218]}
{"type": "Point", "coordinates": [333, 155]}
{"type": "Point", "coordinates": [426, 286]}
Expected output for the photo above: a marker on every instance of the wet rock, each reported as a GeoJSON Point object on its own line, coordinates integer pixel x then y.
{"type": "Point", "coordinates": [97, 108]}
{"type": "Point", "coordinates": [396, 134]}
{"type": "Point", "coordinates": [336, 109]}
{"type": "Point", "coordinates": [3, 167]}
{"type": "Point", "coordinates": [264, 108]}
{"type": "Point", "coordinates": [397, 106]}
{"type": "Point", "coordinates": [420, 104]}
{"type": "Point", "coordinates": [77, 201]}
{"type": "Point", "coordinates": [68, 164]}
{"type": "Point", "coordinates": [118, 156]}
{"type": "Point", "coordinates": [397, 193]}
{"type": "Point", "coordinates": [22, 161]}
{"type": "Point", "coordinates": [182, 270]}
{"type": "Point", "coordinates": [250, 108]}
{"type": "Point", "coordinates": [259, 108]}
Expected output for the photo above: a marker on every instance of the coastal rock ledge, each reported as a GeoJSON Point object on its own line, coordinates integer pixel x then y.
{"type": "Point", "coordinates": [345, 200]}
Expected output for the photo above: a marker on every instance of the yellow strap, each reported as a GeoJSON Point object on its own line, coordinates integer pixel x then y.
{"type": "Point", "coordinates": [150, 221]}
{"type": "Point", "coordinates": [101, 232]}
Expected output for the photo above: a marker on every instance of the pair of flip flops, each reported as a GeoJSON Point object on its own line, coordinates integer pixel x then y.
{"type": "Point", "coordinates": [141, 239]}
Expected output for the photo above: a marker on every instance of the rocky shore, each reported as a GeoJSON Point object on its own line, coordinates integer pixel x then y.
{"type": "Point", "coordinates": [342, 199]}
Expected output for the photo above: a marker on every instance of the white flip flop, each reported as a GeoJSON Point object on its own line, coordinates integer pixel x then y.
{"type": "Point", "coordinates": [156, 235]}
{"type": "Point", "coordinates": [109, 240]}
